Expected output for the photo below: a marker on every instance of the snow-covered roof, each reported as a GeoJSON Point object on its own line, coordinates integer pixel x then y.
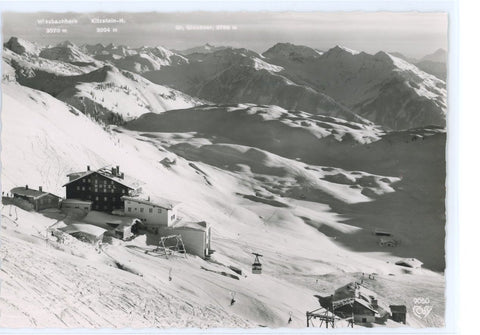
{"type": "Point", "coordinates": [355, 292]}
{"type": "Point", "coordinates": [195, 225]}
{"type": "Point", "coordinates": [127, 181]}
{"type": "Point", "coordinates": [153, 201]}
{"type": "Point", "coordinates": [31, 193]}
{"type": "Point", "coordinates": [83, 228]}
{"type": "Point", "coordinates": [103, 219]}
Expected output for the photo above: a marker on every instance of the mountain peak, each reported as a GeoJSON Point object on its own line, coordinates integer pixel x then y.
{"type": "Point", "coordinates": [291, 51]}
{"type": "Point", "coordinates": [66, 44]}
{"type": "Point", "coordinates": [440, 55]}
{"type": "Point", "coordinates": [341, 50]}
{"type": "Point", "coordinates": [21, 46]}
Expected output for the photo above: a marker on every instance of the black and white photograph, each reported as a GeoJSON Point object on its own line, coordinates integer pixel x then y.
{"type": "Point", "coordinates": [224, 169]}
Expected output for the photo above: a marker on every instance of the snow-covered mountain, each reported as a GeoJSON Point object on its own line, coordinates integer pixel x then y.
{"type": "Point", "coordinates": [304, 184]}
{"type": "Point", "coordinates": [136, 60]}
{"type": "Point", "coordinates": [435, 63]}
{"type": "Point", "coordinates": [66, 52]}
{"type": "Point", "coordinates": [22, 47]}
{"type": "Point", "coordinates": [439, 55]}
{"type": "Point", "coordinates": [243, 76]}
{"type": "Point", "coordinates": [254, 198]}
{"type": "Point", "coordinates": [202, 49]}
{"type": "Point", "coordinates": [106, 93]}
{"type": "Point", "coordinates": [149, 59]}
{"type": "Point", "coordinates": [382, 88]}
{"type": "Point", "coordinates": [292, 52]}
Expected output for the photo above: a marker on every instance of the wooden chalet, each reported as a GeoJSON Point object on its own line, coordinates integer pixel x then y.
{"type": "Point", "coordinates": [34, 199]}
{"type": "Point", "coordinates": [104, 188]}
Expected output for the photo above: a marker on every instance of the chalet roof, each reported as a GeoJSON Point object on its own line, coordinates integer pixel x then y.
{"type": "Point", "coordinates": [194, 225]}
{"type": "Point", "coordinates": [108, 221]}
{"type": "Point", "coordinates": [355, 292]}
{"type": "Point", "coordinates": [126, 181]}
{"type": "Point", "coordinates": [153, 201]}
{"type": "Point", "coordinates": [31, 193]}
{"type": "Point", "coordinates": [83, 228]}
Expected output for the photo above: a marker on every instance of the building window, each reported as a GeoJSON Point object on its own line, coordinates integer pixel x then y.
{"type": "Point", "coordinates": [135, 208]}
{"type": "Point", "coordinates": [83, 188]}
{"type": "Point", "coordinates": [159, 210]}
{"type": "Point", "coordinates": [105, 198]}
{"type": "Point", "coordinates": [86, 208]}
{"type": "Point", "coordinates": [129, 209]}
{"type": "Point", "coordinates": [123, 191]}
{"type": "Point", "coordinates": [78, 188]}
{"type": "Point", "coordinates": [96, 198]}
{"type": "Point", "coordinates": [141, 210]}
{"type": "Point", "coordinates": [150, 210]}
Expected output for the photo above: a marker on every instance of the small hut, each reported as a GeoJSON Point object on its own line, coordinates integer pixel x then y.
{"type": "Point", "coordinates": [196, 236]}
{"type": "Point", "coordinates": [399, 313]}
{"type": "Point", "coordinates": [85, 232]}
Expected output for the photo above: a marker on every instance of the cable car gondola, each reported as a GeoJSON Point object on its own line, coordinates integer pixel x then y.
{"type": "Point", "coordinates": [257, 266]}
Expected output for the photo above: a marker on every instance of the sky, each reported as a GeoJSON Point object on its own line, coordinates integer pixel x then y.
{"type": "Point", "coordinates": [414, 34]}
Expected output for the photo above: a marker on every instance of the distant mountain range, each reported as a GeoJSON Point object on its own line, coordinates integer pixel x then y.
{"type": "Point", "coordinates": [383, 89]}
{"type": "Point", "coordinates": [435, 63]}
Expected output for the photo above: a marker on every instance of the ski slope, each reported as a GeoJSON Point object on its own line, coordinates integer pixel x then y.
{"type": "Point", "coordinates": [71, 284]}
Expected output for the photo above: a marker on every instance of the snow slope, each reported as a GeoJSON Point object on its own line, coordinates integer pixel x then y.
{"type": "Point", "coordinates": [415, 212]}
{"type": "Point", "coordinates": [108, 94]}
{"type": "Point", "coordinates": [149, 59]}
{"type": "Point", "coordinates": [67, 52]}
{"type": "Point", "coordinates": [43, 139]}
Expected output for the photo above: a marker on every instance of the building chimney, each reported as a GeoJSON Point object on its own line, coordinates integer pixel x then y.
{"type": "Point", "coordinates": [88, 167]}
{"type": "Point", "coordinates": [118, 169]}
{"type": "Point", "coordinates": [26, 187]}
{"type": "Point", "coordinates": [114, 172]}
{"type": "Point", "coordinates": [40, 189]}
{"type": "Point", "coordinates": [374, 302]}
{"type": "Point", "coordinates": [148, 198]}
